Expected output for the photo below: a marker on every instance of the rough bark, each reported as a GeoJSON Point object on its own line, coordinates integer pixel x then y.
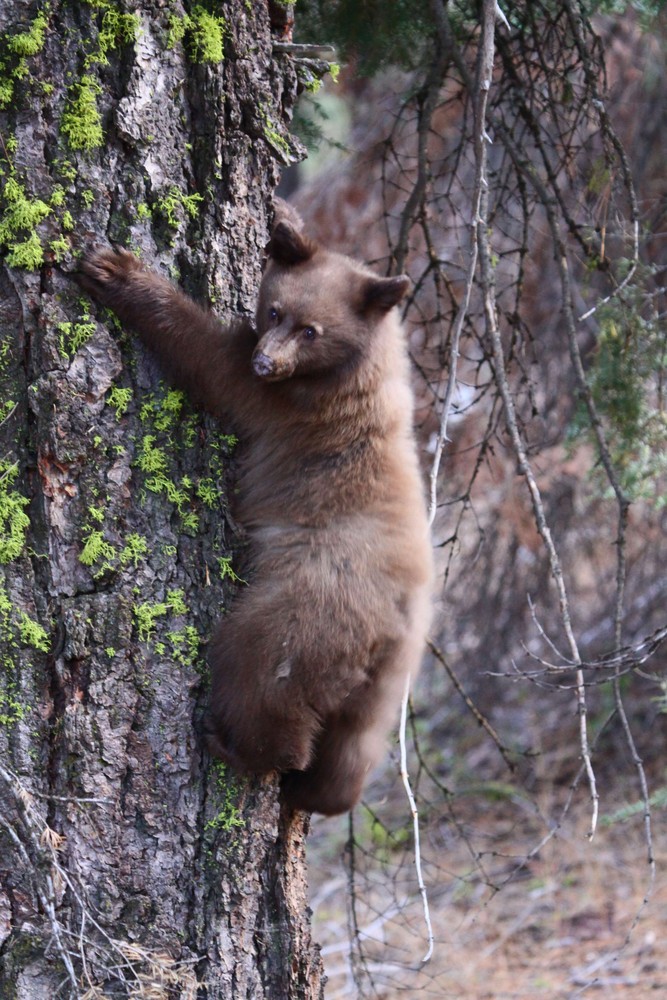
{"type": "Point", "coordinates": [177, 877]}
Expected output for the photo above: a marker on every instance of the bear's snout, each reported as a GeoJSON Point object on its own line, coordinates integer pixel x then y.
{"type": "Point", "coordinates": [263, 365]}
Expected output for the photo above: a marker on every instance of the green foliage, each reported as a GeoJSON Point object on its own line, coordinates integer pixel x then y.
{"type": "Point", "coordinates": [207, 35]}
{"type": "Point", "coordinates": [636, 810]}
{"type": "Point", "coordinates": [317, 120]}
{"type": "Point", "coordinates": [165, 411]}
{"type": "Point", "coordinates": [6, 408]}
{"type": "Point", "coordinates": [369, 32]}
{"type": "Point", "coordinates": [628, 381]}
{"type": "Point", "coordinates": [153, 461]}
{"type": "Point", "coordinates": [184, 645]}
{"type": "Point", "coordinates": [375, 35]}
{"type": "Point", "coordinates": [646, 9]}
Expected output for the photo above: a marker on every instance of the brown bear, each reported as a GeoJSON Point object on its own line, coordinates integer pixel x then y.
{"type": "Point", "coordinates": [309, 667]}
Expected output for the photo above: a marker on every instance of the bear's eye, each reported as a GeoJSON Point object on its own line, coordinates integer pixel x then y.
{"type": "Point", "coordinates": [310, 333]}
{"type": "Point", "coordinates": [273, 314]}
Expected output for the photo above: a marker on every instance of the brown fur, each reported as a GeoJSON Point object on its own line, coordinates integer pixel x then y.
{"type": "Point", "coordinates": [310, 665]}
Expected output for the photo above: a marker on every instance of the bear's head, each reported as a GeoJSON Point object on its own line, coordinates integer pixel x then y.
{"type": "Point", "coordinates": [318, 312]}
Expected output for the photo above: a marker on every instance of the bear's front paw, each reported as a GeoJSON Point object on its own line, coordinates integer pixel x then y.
{"type": "Point", "coordinates": [105, 273]}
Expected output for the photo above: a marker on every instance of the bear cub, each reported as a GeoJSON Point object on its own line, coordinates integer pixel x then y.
{"type": "Point", "coordinates": [309, 667]}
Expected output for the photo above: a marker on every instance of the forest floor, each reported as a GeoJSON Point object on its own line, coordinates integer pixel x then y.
{"type": "Point", "coordinates": [521, 906]}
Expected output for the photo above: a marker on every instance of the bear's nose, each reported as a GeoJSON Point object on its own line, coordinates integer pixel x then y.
{"type": "Point", "coordinates": [263, 365]}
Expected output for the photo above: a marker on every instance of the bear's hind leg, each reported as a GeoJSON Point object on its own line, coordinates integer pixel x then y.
{"type": "Point", "coordinates": [333, 784]}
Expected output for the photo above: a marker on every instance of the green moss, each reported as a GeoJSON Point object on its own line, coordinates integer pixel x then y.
{"type": "Point", "coordinates": [59, 247]}
{"type": "Point", "coordinates": [146, 615]}
{"type": "Point", "coordinates": [153, 461]}
{"type": "Point", "coordinates": [32, 634]}
{"type": "Point", "coordinates": [27, 255]}
{"type": "Point", "coordinates": [119, 399]}
{"type": "Point", "coordinates": [225, 790]}
{"type": "Point", "coordinates": [5, 409]}
{"type": "Point", "coordinates": [207, 36]}
{"type": "Point", "coordinates": [97, 514]}
{"type": "Point", "coordinates": [14, 522]}
{"type": "Point", "coordinates": [176, 602]}
{"type": "Point", "coordinates": [72, 336]}
{"type": "Point", "coordinates": [81, 122]}
{"type": "Point", "coordinates": [208, 493]}
{"type": "Point", "coordinates": [30, 42]}
{"type": "Point", "coordinates": [166, 412]}
{"type": "Point", "coordinates": [134, 550]}
{"type": "Point", "coordinates": [11, 710]}
{"type": "Point", "coordinates": [19, 215]}
{"type": "Point", "coordinates": [274, 138]}
{"type": "Point", "coordinates": [96, 549]}
{"type": "Point", "coordinates": [6, 91]}
{"type": "Point", "coordinates": [177, 26]}
{"type": "Point", "coordinates": [204, 33]}
{"type": "Point", "coordinates": [184, 645]}
{"type": "Point", "coordinates": [174, 205]}
{"type": "Point", "coordinates": [67, 170]}
{"type": "Point", "coordinates": [57, 199]}
{"type": "Point", "coordinates": [226, 571]}
{"type": "Point", "coordinates": [151, 458]}
{"type": "Point", "coordinates": [117, 28]}
{"type": "Point", "coordinates": [17, 629]}
{"type": "Point", "coordinates": [19, 48]}
{"type": "Point", "coordinates": [11, 145]}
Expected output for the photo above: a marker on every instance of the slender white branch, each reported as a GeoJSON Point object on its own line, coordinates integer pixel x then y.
{"type": "Point", "coordinates": [415, 817]}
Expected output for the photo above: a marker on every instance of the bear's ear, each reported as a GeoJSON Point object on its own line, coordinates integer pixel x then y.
{"type": "Point", "coordinates": [380, 294]}
{"type": "Point", "coordinates": [289, 246]}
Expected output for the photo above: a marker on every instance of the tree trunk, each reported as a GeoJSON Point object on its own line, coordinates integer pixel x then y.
{"type": "Point", "coordinates": [129, 864]}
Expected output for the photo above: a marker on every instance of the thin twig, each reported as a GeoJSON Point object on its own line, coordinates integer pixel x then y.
{"type": "Point", "coordinates": [481, 719]}
{"type": "Point", "coordinates": [415, 818]}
